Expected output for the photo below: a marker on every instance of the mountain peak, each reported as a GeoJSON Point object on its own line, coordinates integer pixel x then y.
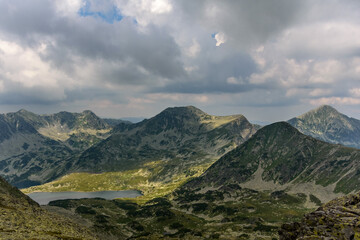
{"type": "Point", "coordinates": [262, 149]}
{"type": "Point", "coordinates": [327, 124]}
{"type": "Point", "coordinates": [184, 110]}
{"type": "Point", "coordinates": [88, 112]}
{"type": "Point", "coordinates": [322, 112]}
{"type": "Point", "coordinates": [276, 129]}
{"type": "Point", "coordinates": [23, 111]}
{"type": "Point", "coordinates": [326, 108]}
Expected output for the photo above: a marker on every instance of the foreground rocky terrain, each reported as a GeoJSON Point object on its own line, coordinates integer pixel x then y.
{"type": "Point", "coordinates": [338, 219]}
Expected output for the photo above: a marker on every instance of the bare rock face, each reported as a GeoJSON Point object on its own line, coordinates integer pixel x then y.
{"type": "Point", "coordinates": [338, 219]}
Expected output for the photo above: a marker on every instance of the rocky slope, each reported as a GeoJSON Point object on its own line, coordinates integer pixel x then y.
{"type": "Point", "coordinates": [180, 136]}
{"type": "Point", "coordinates": [78, 130]}
{"type": "Point", "coordinates": [327, 124]}
{"type": "Point", "coordinates": [34, 148]}
{"type": "Point", "coordinates": [338, 219]}
{"type": "Point", "coordinates": [22, 218]}
{"type": "Point", "coordinates": [155, 155]}
{"type": "Point", "coordinates": [279, 157]}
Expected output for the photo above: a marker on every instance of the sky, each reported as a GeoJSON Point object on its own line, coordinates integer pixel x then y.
{"type": "Point", "coordinates": [269, 60]}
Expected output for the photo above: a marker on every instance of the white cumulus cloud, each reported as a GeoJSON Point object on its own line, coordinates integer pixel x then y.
{"type": "Point", "coordinates": [220, 38]}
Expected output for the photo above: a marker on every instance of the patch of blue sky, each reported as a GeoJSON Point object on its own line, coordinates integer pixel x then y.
{"type": "Point", "coordinates": [111, 15]}
{"type": "Point", "coordinates": [213, 35]}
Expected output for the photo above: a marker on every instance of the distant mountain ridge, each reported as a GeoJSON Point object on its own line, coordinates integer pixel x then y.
{"type": "Point", "coordinates": [60, 126]}
{"type": "Point", "coordinates": [33, 147]}
{"type": "Point", "coordinates": [327, 124]}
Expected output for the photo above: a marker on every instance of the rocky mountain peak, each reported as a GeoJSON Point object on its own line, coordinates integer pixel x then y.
{"type": "Point", "coordinates": [322, 112]}
{"type": "Point", "coordinates": [327, 124]}
{"type": "Point", "coordinates": [176, 118]}
{"type": "Point", "coordinates": [24, 111]}
{"type": "Point", "coordinates": [326, 108]}
{"type": "Point", "coordinates": [88, 112]}
{"type": "Point", "coordinates": [183, 111]}
{"type": "Point", "coordinates": [278, 129]}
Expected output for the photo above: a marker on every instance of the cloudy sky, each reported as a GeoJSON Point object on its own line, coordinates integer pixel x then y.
{"type": "Point", "coordinates": [267, 59]}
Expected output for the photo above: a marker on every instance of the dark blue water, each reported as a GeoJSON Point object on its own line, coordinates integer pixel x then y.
{"type": "Point", "coordinates": [44, 198]}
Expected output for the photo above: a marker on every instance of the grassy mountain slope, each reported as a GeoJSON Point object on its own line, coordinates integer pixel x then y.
{"type": "Point", "coordinates": [22, 218]}
{"type": "Point", "coordinates": [279, 157]}
{"type": "Point", "coordinates": [327, 124]}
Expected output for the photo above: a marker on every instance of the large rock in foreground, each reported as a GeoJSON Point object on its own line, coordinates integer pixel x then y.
{"type": "Point", "coordinates": [338, 219]}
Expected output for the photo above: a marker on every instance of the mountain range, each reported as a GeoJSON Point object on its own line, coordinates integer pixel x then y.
{"type": "Point", "coordinates": [173, 146]}
{"type": "Point", "coordinates": [275, 176]}
{"type": "Point", "coordinates": [158, 153]}
{"type": "Point", "coordinates": [221, 176]}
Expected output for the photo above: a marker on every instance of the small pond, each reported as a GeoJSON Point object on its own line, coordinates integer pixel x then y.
{"type": "Point", "coordinates": [44, 198]}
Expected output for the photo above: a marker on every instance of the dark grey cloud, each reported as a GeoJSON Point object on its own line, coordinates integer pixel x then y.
{"type": "Point", "coordinates": [89, 93]}
{"type": "Point", "coordinates": [247, 22]}
{"type": "Point", "coordinates": [213, 76]}
{"type": "Point", "coordinates": [36, 95]}
{"type": "Point", "coordinates": [26, 18]}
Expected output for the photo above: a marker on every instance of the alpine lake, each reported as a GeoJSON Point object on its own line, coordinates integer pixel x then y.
{"type": "Point", "coordinates": [43, 198]}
